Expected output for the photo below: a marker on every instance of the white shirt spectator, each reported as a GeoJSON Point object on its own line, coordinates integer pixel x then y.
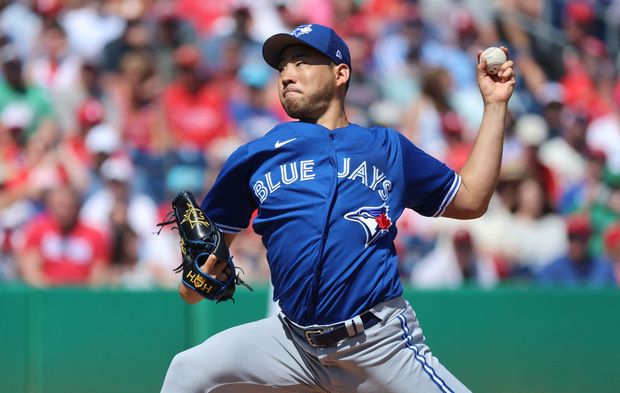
{"type": "Point", "coordinates": [89, 30]}
{"type": "Point", "coordinates": [604, 134]}
{"type": "Point", "coordinates": [534, 243]}
{"type": "Point", "coordinates": [440, 269]}
{"type": "Point", "coordinates": [142, 213]}
{"type": "Point", "coordinates": [23, 26]}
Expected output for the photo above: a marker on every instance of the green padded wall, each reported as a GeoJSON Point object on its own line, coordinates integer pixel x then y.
{"type": "Point", "coordinates": [509, 340]}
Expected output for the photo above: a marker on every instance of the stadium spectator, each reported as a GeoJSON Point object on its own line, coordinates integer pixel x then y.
{"type": "Point", "coordinates": [127, 267]}
{"type": "Point", "coordinates": [537, 233]}
{"type": "Point", "coordinates": [88, 115]}
{"type": "Point", "coordinates": [102, 142]}
{"type": "Point", "coordinates": [134, 40]}
{"type": "Point", "coordinates": [61, 249]}
{"type": "Point", "coordinates": [583, 194]}
{"type": "Point", "coordinates": [118, 173]}
{"type": "Point", "coordinates": [578, 266]}
{"type": "Point", "coordinates": [251, 109]}
{"type": "Point", "coordinates": [422, 122]}
{"type": "Point", "coordinates": [194, 110]}
{"type": "Point", "coordinates": [454, 263]}
{"type": "Point", "coordinates": [226, 50]}
{"type": "Point", "coordinates": [564, 153]}
{"type": "Point", "coordinates": [56, 69]}
{"type": "Point", "coordinates": [171, 32]}
{"type": "Point", "coordinates": [15, 90]}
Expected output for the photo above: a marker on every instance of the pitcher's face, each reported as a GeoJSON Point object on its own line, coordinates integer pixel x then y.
{"type": "Point", "coordinates": [307, 82]}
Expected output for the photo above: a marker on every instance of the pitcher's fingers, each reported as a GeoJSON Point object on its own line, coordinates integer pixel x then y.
{"type": "Point", "coordinates": [213, 266]}
{"type": "Point", "coordinates": [506, 71]}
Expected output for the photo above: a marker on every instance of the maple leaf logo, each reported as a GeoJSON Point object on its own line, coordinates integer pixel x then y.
{"type": "Point", "coordinates": [383, 221]}
{"type": "Point", "coordinates": [373, 219]}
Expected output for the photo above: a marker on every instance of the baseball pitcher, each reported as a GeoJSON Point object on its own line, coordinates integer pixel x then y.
{"type": "Point", "coordinates": [328, 195]}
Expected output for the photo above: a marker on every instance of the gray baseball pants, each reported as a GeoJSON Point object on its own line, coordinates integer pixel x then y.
{"type": "Point", "coordinates": [267, 356]}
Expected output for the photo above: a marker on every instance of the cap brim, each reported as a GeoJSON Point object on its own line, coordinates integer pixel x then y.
{"type": "Point", "coordinates": [274, 45]}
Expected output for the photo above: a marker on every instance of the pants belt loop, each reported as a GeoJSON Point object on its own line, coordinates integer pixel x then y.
{"type": "Point", "coordinates": [354, 326]}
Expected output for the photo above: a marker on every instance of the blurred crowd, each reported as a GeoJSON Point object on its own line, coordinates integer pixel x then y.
{"type": "Point", "coordinates": [108, 108]}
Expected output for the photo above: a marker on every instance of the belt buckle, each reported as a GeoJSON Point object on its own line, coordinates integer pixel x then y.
{"type": "Point", "coordinates": [307, 334]}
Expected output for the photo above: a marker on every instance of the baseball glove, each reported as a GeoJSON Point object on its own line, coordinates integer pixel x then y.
{"type": "Point", "coordinates": [199, 239]}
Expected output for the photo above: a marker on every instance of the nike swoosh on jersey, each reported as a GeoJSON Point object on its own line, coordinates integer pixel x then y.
{"type": "Point", "coordinates": [280, 144]}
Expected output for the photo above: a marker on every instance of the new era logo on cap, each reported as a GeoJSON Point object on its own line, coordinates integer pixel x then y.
{"type": "Point", "coordinates": [318, 37]}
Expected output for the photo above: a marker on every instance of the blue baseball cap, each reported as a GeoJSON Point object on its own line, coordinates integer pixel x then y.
{"type": "Point", "coordinates": [319, 37]}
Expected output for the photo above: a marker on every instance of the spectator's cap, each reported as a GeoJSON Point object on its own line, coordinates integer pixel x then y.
{"type": "Point", "coordinates": [531, 129]}
{"type": "Point", "coordinates": [103, 138]}
{"type": "Point", "coordinates": [185, 177]}
{"type": "Point", "coordinates": [117, 168]}
{"type": "Point", "coordinates": [579, 11]}
{"type": "Point", "coordinates": [48, 7]}
{"type": "Point", "coordinates": [578, 226]}
{"type": "Point", "coordinates": [596, 154]}
{"type": "Point", "coordinates": [462, 238]}
{"type": "Point", "coordinates": [451, 124]}
{"type": "Point", "coordinates": [17, 115]}
{"type": "Point", "coordinates": [612, 237]}
{"type": "Point", "coordinates": [463, 20]}
{"type": "Point", "coordinates": [318, 37]}
{"type": "Point", "coordinates": [187, 56]}
{"type": "Point", "coordinates": [90, 113]}
{"type": "Point", "coordinates": [254, 75]}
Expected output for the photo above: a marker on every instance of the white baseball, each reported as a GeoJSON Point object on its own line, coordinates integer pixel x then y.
{"type": "Point", "coordinates": [495, 57]}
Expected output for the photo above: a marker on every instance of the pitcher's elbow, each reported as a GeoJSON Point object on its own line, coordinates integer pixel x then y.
{"type": "Point", "coordinates": [475, 212]}
{"type": "Point", "coordinates": [480, 211]}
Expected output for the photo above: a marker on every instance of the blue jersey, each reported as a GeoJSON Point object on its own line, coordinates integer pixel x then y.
{"type": "Point", "coordinates": [327, 206]}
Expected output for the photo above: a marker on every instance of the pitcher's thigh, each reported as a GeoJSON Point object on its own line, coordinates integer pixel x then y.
{"type": "Point", "coordinates": [254, 357]}
{"type": "Point", "coordinates": [398, 361]}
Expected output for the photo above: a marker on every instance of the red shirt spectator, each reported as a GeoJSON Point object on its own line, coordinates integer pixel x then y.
{"type": "Point", "coordinates": [195, 119]}
{"type": "Point", "coordinates": [66, 258]}
{"type": "Point", "coordinates": [195, 111]}
{"type": "Point", "coordinates": [59, 248]}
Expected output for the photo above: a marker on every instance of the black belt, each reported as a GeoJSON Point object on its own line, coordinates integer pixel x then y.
{"type": "Point", "coordinates": [332, 335]}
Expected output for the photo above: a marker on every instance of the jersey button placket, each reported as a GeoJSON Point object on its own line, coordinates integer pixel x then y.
{"type": "Point", "coordinates": [330, 198]}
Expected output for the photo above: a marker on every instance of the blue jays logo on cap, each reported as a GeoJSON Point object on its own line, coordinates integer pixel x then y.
{"type": "Point", "coordinates": [374, 220]}
{"type": "Point", "coordinates": [303, 29]}
{"type": "Point", "coordinates": [318, 37]}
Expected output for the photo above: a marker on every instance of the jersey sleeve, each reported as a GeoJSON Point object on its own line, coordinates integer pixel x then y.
{"type": "Point", "coordinates": [229, 203]}
{"type": "Point", "coordinates": [430, 185]}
